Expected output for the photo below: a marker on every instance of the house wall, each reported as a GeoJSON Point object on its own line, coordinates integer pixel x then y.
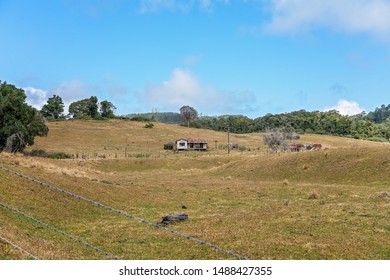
{"type": "Point", "coordinates": [197, 146]}
{"type": "Point", "coordinates": [181, 145]}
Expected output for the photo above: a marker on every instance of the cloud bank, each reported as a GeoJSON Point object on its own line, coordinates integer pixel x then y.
{"type": "Point", "coordinates": [183, 88]}
{"type": "Point", "coordinates": [352, 16]}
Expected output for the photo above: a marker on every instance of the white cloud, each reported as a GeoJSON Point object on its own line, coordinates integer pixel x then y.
{"type": "Point", "coordinates": [354, 16]}
{"type": "Point", "coordinates": [72, 90]}
{"type": "Point", "coordinates": [183, 88]}
{"type": "Point", "coordinates": [69, 91]}
{"type": "Point", "coordinates": [345, 107]}
{"type": "Point", "coordinates": [36, 97]}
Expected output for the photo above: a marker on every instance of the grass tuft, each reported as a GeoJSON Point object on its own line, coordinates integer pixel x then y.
{"type": "Point", "coordinates": [313, 195]}
{"type": "Point", "coordinates": [106, 182]}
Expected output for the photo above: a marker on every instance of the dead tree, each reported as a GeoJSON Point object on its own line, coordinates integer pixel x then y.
{"type": "Point", "coordinates": [15, 142]}
{"type": "Point", "coordinates": [277, 140]}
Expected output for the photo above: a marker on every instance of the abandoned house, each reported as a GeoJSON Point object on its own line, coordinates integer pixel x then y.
{"type": "Point", "coordinates": [191, 144]}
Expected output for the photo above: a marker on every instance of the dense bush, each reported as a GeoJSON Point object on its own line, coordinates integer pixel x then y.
{"type": "Point", "coordinates": [59, 155]}
{"type": "Point", "coordinates": [19, 122]}
{"type": "Point", "coordinates": [140, 119]}
{"type": "Point", "coordinates": [43, 153]}
{"type": "Point", "coordinates": [149, 125]}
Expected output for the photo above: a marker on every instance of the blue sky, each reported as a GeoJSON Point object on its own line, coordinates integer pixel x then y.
{"type": "Point", "coordinates": [249, 57]}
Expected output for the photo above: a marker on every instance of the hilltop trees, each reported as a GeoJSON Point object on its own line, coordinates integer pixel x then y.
{"type": "Point", "coordinates": [380, 115]}
{"type": "Point", "coordinates": [92, 104]}
{"type": "Point", "coordinates": [188, 114]}
{"type": "Point", "coordinates": [53, 108]}
{"type": "Point", "coordinates": [236, 123]}
{"type": "Point", "coordinates": [84, 108]}
{"type": "Point", "coordinates": [90, 108]}
{"type": "Point", "coordinates": [107, 109]}
{"type": "Point", "coordinates": [79, 109]}
{"type": "Point", "coordinates": [19, 122]}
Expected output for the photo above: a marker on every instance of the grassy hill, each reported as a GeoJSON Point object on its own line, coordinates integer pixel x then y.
{"type": "Point", "coordinates": [328, 204]}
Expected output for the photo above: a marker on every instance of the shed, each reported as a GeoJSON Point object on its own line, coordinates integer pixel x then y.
{"type": "Point", "coordinates": [169, 146]}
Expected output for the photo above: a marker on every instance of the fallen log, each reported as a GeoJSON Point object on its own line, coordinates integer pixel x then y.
{"type": "Point", "coordinates": [174, 218]}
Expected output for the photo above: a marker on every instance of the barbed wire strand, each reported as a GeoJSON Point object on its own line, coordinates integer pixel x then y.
{"type": "Point", "coordinates": [59, 231]}
{"type": "Point", "coordinates": [157, 225]}
{"type": "Point", "coordinates": [19, 248]}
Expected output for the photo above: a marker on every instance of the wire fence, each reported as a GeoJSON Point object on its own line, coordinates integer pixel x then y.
{"type": "Point", "coordinates": [60, 231]}
{"type": "Point", "coordinates": [156, 225]}
{"type": "Point", "coordinates": [18, 248]}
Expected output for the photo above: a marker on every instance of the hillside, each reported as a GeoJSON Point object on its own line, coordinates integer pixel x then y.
{"type": "Point", "coordinates": [328, 204]}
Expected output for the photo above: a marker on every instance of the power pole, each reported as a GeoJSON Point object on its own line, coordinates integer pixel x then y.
{"type": "Point", "coordinates": [228, 133]}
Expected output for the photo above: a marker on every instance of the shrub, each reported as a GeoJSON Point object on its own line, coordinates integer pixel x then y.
{"type": "Point", "coordinates": [43, 153]}
{"type": "Point", "coordinates": [36, 153]}
{"type": "Point", "coordinates": [149, 125]}
{"type": "Point", "coordinates": [106, 182]}
{"type": "Point", "coordinates": [313, 195]}
{"type": "Point", "coordinates": [377, 139]}
{"type": "Point", "coordinates": [100, 118]}
{"type": "Point", "coordinates": [140, 119]}
{"type": "Point", "coordinates": [60, 155]}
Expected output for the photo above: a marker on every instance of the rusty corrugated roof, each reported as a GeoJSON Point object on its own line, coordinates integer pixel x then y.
{"type": "Point", "coordinates": [195, 141]}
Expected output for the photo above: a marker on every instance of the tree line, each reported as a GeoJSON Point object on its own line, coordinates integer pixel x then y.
{"type": "Point", "coordinates": [372, 126]}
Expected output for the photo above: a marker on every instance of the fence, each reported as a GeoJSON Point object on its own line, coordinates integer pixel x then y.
{"type": "Point", "coordinates": [156, 225]}
{"type": "Point", "coordinates": [18, 248]}
{"type": "Point", "coordinates": [59, 231]}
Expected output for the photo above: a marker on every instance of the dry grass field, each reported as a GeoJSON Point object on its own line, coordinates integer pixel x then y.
{"type": "Point", "coordinates": [327, 204]}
